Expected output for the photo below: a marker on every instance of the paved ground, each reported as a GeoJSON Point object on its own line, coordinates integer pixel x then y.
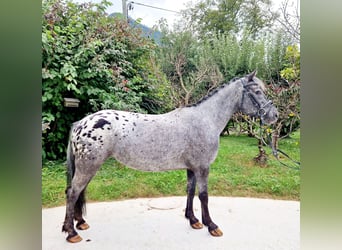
{"type": "Point", "coordinates": [159, 223]}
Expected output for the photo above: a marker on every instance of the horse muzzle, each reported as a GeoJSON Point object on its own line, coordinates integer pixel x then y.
{"type": "Point", "coordinates": [269, 115]}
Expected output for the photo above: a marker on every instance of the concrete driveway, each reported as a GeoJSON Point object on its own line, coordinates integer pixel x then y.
{"type": "Point", "coordinates": [159, 223]}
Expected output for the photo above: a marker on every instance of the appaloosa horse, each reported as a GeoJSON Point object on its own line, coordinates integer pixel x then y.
{"type": "Point", "coordinates": [185, 138]}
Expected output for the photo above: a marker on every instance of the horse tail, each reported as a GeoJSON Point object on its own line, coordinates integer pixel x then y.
{"type": "Point", "coordinates": [81, 201]}
{"type": "Point", "coordinates": [70, 163]}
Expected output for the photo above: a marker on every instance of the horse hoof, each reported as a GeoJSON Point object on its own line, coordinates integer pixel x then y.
{"type": "Point", "coordinates": [74, 239]}
{"type": "Point", "coordinates": [216, 232]}
{"type": "Point", "coordinates": [83, 226]}
{"type": "Point", "coordinates": [197, 225]}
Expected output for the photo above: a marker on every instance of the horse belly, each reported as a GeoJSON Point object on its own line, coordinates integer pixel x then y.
{"type": "Point", "coordinates": [149, 158]}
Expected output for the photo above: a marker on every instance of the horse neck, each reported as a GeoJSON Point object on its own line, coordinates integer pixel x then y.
{"type": "Point", "coordinates": [220, 107]}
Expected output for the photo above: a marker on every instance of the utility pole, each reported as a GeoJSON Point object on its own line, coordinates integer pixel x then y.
{"type": "Point", "coordinates": [124, 9]}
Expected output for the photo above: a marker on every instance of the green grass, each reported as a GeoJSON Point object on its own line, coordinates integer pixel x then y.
{"type": "Point", "coordinates": [234, 173]}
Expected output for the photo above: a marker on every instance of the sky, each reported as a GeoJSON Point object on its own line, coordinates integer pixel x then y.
{"type": "Point", "coordinates": [150, 16]}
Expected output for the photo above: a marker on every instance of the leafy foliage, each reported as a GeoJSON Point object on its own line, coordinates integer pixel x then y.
{"type": "Point", "coordinates": [292, 71]}
{"type": "Point", "coordinates": [98, 59]}
{"type": "Point", "coordinates": [287, 95]}
{"type": "Point", "coordinates": [188, 66]}
{"type": "Point", "coordinates": [287, 100]}
{"type": "Point", "coordinates": [211, 17]}
{"type": "Point", "coordinates": [194, 66]}
{"type": "Point", "coordinates": [237, 57]}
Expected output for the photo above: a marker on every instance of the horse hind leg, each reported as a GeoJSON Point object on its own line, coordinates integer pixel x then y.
{"type": "Point", "coordinates": [79, 210]}
{"type": "Point", "coordinates": [74, 206]}
{"type": "Point", "coordinates": [68, 226]}
{"type": "Point", "coordinates": [191, 188]}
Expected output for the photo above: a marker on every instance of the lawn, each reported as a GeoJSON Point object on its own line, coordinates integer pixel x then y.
{"type": "Point", "coordinates": [234, 173]}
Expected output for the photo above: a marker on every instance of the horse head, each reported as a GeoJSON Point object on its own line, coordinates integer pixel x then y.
{"type": "Point", "coordinates": [254, 102]}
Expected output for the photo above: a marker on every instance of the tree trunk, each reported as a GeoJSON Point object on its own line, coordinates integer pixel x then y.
{"type": "Point", "coordinates": [261, 159]}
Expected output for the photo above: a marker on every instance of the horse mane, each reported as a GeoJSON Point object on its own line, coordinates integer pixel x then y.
{"type": "Point", "coordinates": [217, 89]}
{"type": "Point", "coordinates": [211, 93]}
{"type": "Point", "coordinates": [206, 97]}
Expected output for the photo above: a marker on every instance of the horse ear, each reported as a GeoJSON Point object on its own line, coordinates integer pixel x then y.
{"type": "Point", "coordinates": [251, 75]}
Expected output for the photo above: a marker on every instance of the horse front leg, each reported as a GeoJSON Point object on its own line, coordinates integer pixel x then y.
{"type": "Point", "coordinates": [202, 179]}
{"type": "Point", "coordinates": [189, 212]}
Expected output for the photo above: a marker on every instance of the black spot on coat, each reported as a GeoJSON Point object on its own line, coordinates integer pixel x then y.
{"type": "Point", "coordinates": [101, 123]}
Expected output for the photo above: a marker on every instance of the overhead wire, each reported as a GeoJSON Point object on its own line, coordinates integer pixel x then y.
{"type": "Point", "coordinates": [154, 7]}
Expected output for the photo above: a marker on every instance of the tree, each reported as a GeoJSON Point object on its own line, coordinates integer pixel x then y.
{"type": "Point", "coordinates": [210, 17]}
{"type": "Point", "coordinates": [188, 66]}
{"type": "Point", "coordinates": [256, 16]}
{"type": "Point", "coordinates": [287, 95]}
{"type": "Point", "coordinates": [290, 19]}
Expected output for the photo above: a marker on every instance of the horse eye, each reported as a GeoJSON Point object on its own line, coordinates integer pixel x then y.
{"type": "Point", "coordinates": [258, 92]}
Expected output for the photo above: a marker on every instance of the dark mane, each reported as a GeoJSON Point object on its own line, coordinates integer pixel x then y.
{"type": "Point", "coordinates": [211, 93]}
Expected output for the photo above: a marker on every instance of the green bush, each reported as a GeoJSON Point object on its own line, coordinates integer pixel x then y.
{"type": "Point", "coordinates": [240, 56]}
{"type": "Point", "coordinates": [287, 96]}
{"type": "Point", "coordinates": [100, 60]}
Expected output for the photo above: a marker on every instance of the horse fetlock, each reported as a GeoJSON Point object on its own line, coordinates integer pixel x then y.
{"type": "Point", "coordinates": [67, 228]}
{"type": "Point", "coordinates": [73, 236]}
{"type": "Point", "coordinates": [208, 223]}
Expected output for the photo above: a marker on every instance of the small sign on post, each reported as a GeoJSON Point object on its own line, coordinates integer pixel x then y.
{"type": "Point", "coordinates": [71, 102]}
